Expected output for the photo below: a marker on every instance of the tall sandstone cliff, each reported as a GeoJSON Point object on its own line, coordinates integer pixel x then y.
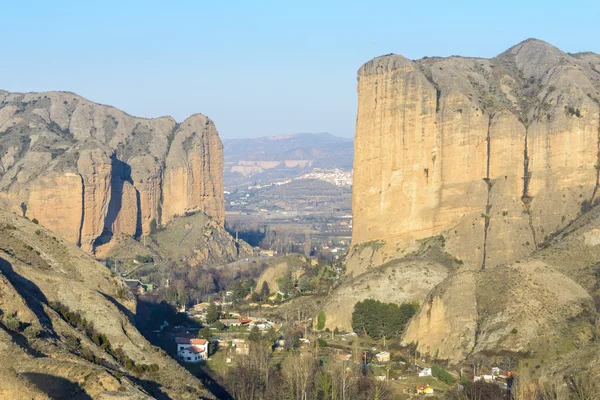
{"type": "Point", "coordinates": [91, 172]}
{"type": "Point", "coordinates": [495, 158]}
{"type": "Point", "coordinates": [493, 154]}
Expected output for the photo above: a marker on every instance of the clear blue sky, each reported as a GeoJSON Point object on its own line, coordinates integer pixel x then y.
{"type": "Point", "coordinates": [257, 67]}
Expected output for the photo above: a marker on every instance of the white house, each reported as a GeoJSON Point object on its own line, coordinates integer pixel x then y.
{"type": "Point", "coordinates": [425, 372]}
{"type": "Point", "coordinates": [192, 350]}
{"type": "Point", "coordinates": [383, 356]}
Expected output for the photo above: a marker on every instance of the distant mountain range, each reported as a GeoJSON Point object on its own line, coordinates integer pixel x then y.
{"type": "Point", "coordinates": [267, 159]}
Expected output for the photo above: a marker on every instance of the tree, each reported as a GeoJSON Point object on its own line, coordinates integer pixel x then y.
{"type": "Point", "coordinates": [205, 333]}
{"type": "Point", "coordinates": [265, 291]}
{"type": "Point", "coordinates": [212, 313]}
{"type": "Point", "coordinates": [286, 283]}
{"type": "Point", "coordinates": [219, 325]}
{"type": "Point", "coordinates": [298, 374]}
{"type": "Point", "coordinates": [378, 319]}
{"type": "Point", "coordinates": [255, 296]}
{"type": "Point", "coordinates": [255, 335]}
{"type": "Point", "coordinates": [321, 319]}
{"type": "Point", "coordinates": [304, 284]}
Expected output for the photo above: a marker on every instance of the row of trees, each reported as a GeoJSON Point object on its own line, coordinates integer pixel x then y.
{"type": "Point", "coordinates": [378, 319]}
{"type": "Point", "coordinates": [301, 377]}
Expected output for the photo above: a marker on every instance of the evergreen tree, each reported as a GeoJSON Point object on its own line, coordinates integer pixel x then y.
{"type": "Point", "coordinates": [212, 313]}
{"type": "Point", "coordinates": [378, 319]}
{"type": "Point", "coordinates": [265, 291]}
{"type": "Point", "coordinates": [254, 335]}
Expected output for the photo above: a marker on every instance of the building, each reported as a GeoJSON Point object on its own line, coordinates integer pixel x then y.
{"type": "Point", "coordinates": [383, 356]}
{"type": "Point", "coordinates": [192, 350]}
{"type": "Point", "coordinates": [201, 306]}
{"type": "Point", "coordinates": [424, 390]}
{"type": "Point", "coordinates": [425, 372]}
{"type": "Point", "coordinates": [135, 285]}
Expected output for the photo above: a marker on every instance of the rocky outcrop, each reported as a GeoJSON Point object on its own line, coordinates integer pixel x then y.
{"type": "Point", "coordinates": [92, 173]}
{"type": "Point", "coordinates": [498, 158]}
{"type": "Point", "coordinates": [493, 154]}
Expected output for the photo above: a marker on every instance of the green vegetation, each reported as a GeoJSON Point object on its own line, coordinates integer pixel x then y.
{"type": "Point", "coordinates": [443, 375]}
{"type": "Point", "coordinates": [321, 319]}
{"type": "Point", "coordinates": [255, 335]}
{"type": "Point", "coordinates": [75, 319]}
{"type": "Point", "coordinates": [265, 291]}
{"type": "Point", "coordinates": [377, 319]}
{"type": "Point", "coordinates": [12, 323]}
{"type": "Point", "coordinates": [212, 313]}
{"type": "Point", "coordinates": [205, 333]}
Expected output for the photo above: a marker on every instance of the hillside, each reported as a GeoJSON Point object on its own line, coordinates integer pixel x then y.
{"type": "Point", "coordinates": [66, 329]}
{"type": "Point", "coordinates": [269, 159]}
{"type": "Point", "coordinates": [91, 172]}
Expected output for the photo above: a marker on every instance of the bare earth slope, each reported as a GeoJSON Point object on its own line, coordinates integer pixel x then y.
{"type": "Point", "coordinates": [90, 172]}
{"type": "Point", "coordinates": [40, 271]}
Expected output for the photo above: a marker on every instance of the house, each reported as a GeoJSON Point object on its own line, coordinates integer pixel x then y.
{"type": "Point", "coordinates": [268, 253]}
{"type": "Point", "coordinates": [343, 357]}
{"type": "Point", "coordinates": [484, 378]}
{"type": "Point", "coordinates": [192, 350]}
{"type": "Point", "coordinates": [244, 321]}
{"type": "Point", "coordinates": [135, 285]}
{"type": "Point", "coordinates": [201, 306]}
{"type": "Point", "coordinates": [231, 322]}
{"type": "Point", "coordinates": [424, 389]}
{"type": "Point", "coordinates": [383, 356]}
{"type": "Point", "coordinates": [425, 372]}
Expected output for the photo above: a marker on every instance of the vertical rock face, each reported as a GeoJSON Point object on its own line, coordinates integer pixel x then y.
{"type": "Point", "coordinates": [90, 172]}
{"type": "Point", "coordinates": [193, 171]}
{"type": "Point", "coordinates": [495, 155]}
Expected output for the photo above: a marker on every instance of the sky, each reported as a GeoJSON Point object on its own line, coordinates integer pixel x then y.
{"type": "Point", "coordinates": [257, 68]}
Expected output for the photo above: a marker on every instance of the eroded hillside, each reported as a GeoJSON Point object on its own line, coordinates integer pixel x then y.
{"type": "Point", "coordinates": [66, 329]}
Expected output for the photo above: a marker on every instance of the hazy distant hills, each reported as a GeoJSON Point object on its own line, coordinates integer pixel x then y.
{"type": "Point", "coordinates": [266, 159]}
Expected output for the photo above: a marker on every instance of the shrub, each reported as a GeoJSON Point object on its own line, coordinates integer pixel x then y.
{"type": "Point", "coordinates": [35, 221]}
{"type": "Point", "coordinates": [31, 332]}
{"type": "Point", "coordinates": [13, 323]}
{"type": "Point", "coordinates": [321, 319]}
{"type": "Point", "coordinates": [443, 375]}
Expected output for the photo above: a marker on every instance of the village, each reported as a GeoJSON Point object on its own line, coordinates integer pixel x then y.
{"type": "Point", "coordinates": [216, 335]}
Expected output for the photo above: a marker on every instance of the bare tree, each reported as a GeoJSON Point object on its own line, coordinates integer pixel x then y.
{"type": "Point", "coordinates": [583, 387]}
{"type": "Point", "coordinates": [343, 375]}
{"type": "Point", "coordinates": [298, 371]}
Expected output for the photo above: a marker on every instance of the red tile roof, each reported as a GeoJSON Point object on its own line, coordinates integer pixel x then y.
{"type": "Point", "coordinates": [181, 340]}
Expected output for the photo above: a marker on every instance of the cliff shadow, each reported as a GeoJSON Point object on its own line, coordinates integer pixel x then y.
{"type": "Point", "coordinates": [31, 294]}
{"type": "Point", "coordinates": [56, 387]}
{"type": "Point", "coordinates": [120, 173]}
{"type": "Point", "coordinates": [130, 315]}
{"type": "Point", "coordinates": [22, 342]}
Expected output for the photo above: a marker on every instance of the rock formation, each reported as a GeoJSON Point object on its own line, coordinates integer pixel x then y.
{"type": "Point", "coordinates": [497, 159]}
{"type": "Point", "coordinates": [495, 155]}
{"type": "Point", "coordinates": [91, 172]}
